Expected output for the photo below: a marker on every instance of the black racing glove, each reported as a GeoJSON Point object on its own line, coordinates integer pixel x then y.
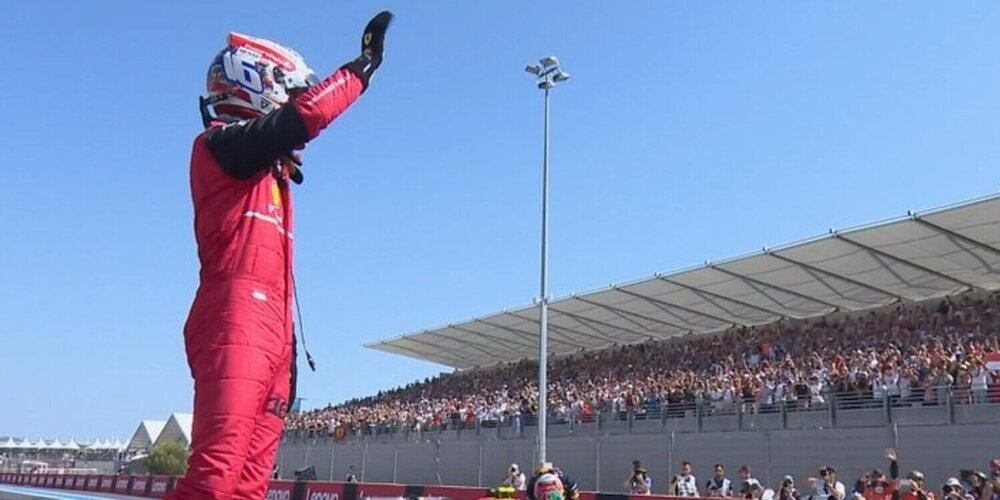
{"type": "Point", "coordinates": [372, 47]}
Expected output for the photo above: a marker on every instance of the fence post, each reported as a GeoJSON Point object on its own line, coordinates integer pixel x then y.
{"type": "Point", "coordinates": [784, 415]}
{"type": "Point", "coordinates": [832, 402]}
{"type": "Point", "coordinates": [886, 409]}
{"type": "Point", "coordinates": [597, 466]}
{"type": "Point", "coordinates": [951, 406]}
{"type": "Point", "coordinates": [395, 461]}
{"type": "Point", "coordinates": [697, 411]}
{"type": "Point", "coordinates": [739, 415]}
{"type": "Point", "coordinates": [479, 479]}
{"type": "Point", "coordinates": [333, 456]}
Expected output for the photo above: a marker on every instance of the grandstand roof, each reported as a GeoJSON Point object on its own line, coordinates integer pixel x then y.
{"type": "Point", "coordinates": [921, 256]}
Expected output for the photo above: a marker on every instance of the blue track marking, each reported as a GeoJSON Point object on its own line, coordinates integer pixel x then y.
{"type": "Point", "coordinates": [46, 493]}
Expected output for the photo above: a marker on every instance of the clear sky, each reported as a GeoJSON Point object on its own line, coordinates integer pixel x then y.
{"type": "Point", "coordinates": [689, 131]}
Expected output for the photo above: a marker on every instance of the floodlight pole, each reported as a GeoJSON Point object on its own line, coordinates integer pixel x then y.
{"type": "Point", "coordinates": [549, 73]}
{"type": "Point", "coordinates": [543, 304]}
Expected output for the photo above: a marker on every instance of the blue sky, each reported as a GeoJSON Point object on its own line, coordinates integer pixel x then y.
{"type": "Point", "coordinates": [690, 131]}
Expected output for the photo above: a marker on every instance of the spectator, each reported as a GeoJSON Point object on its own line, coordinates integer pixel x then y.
{"type": "Point", "coordinates": [639, 482]}
{"type": "Point", "coordinates": [917, 490]}
{"type": "Point", "coordinates": [515, 478]}
{"type": "Point", "coordinates": [788, 491]}
{"type": "Point", "coordinates": [826, 485]}
{"type": "Point", "coordinates": [747, 482]}
{"type": "Point", "coordinates": [881, 488]}
{"type": "Point", "coordinates": [351, 477]}
{"type": "Point", "coordinates": [719, 485]}
{"type": "Point", "coordinates": [992, 489]}
{"type": "Point", "coordinates": [952, 490]}
{"type": "Point", "coordinates": [684, 484]}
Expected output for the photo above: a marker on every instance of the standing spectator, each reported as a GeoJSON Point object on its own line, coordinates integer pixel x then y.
{"type": "Point", "coordinates": [720, 485]}
{"type": "Point", "coordinates": [952, 490]}
{"type": "Point", "coordinates": [917, 490]}
{"type": "Point", "coordinates": [826, 485]}
{"type": "Point", "coordinates": [684, 484]}
{"type": "Point", "coordinates": [980, 384]}
{"type": "Point", "coordinates": [639, 483]}
{"type": "Point", "coordinates": [992, 489]}
{"type": "Point", "coordinates": [351, 478]}
{"type": "Point", "coordinates": [515, 478]}
{"type": "Point", "coordinates": [788, 491]}
{"type": "Point", "coordinates": [881, 488]}
{"type": "Point", "coordinates": [748, 482]}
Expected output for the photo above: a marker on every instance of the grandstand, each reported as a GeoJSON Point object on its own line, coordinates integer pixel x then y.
{"type": "Point", "coordinates": [829, 341]}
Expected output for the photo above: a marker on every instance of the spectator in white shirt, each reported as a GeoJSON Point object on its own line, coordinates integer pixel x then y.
{"type": "Point", "coordinates": [748, 482]}
{"type": "Point", "coordinates": [826, 485]}
{"type": "Point", "coordinates": [980, 384]}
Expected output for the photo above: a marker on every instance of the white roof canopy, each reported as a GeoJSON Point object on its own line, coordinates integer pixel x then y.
{"type": "Point", "coordinates": [146, 434]}
{"type": "Point", "coordinates": [922, 256]}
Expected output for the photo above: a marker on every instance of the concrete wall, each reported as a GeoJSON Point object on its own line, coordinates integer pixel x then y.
{"type": "Point", "coordinates": [601, 461]}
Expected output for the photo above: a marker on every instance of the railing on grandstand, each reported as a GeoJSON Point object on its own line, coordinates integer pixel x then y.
{"type": "Point", "coordinates": [946, 404]}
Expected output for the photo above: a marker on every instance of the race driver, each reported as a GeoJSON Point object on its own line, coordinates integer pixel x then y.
{"type": "Point", "coordinates": [239, 336]}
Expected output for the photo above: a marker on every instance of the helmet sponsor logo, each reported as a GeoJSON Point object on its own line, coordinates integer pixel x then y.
{"type": "Point", "coordinates": [242, 71]}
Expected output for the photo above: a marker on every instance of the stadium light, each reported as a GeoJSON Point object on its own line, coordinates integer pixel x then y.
{"type": "Point", "coordinates": [548, 74]}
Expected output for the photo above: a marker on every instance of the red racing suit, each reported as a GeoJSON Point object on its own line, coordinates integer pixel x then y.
{"type": "Point", "coordinates": [239, 334]}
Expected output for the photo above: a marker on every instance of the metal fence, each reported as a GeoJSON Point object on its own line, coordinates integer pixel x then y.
{"type": "Point", "coordinates": [940, 405]}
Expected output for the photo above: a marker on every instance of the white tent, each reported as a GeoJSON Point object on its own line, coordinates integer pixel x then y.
{"type": "Point", "coordinates": [40, 444]}
{"type": "Point", "coordinates": [72, 445]}
{"type": "Point", "coordinates": [97, 445]}
{"type": "Point", "coordinates": [119, 444]}
{"type": "Point", "coordinates": [9, 444]}
{"type": "Point", "coordinates": [56, 444]}
{"type": "Point", "coordinates": [177, 429]}
{"type": "Point", "coordinates": [146, 434]}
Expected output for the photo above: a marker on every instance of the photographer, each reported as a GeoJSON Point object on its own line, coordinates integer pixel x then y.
{"type": "Point", "coordinates": [788, 491]}
{"type": "Point", "coordinates": [916, 485]}
{"type": "Point", "coordinates": [719, 486]}
{"type": "Point", "coordinates": [639, 483]}
{"type": "Point", "coordinates": [748, 482]}
{"type": "Point", "coordinates": [826, 485]}
{"type": "Point", "coordinates": [977, 483]}
{"type": "Point", "coordinates": [992, 489]}
{"type": "Point", "coordinates": [684, 484]}
{"type": "Point", "coordinates": [515, 478]}
{"type": "Point", "coordinates": [952, 490]}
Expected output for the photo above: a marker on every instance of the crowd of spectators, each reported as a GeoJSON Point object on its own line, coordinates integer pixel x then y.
{"type": "Point", "coordinates": [915, 353]}
{"type": "Point", "coordinates": [970, 484]}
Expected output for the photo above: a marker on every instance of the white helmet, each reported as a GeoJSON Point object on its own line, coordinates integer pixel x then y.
{"type": "Point", "coordinates": [252, 76]}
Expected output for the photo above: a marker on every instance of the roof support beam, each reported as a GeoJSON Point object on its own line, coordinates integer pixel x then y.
{"type": "Point", "coordinates": [480, 348]}
{"type": "Point", "coordinates": [705, 294]}
{"type": "Point", "coordinates": [835, 275]}
{"type": "Point", "coordinates": [956, 237]}
{"type": "Point", "coordinates": [880, 253]}
{"type": "Point", "coordinates": [598, 335]}
{"type": "Point", "coordinates": [437, 347]}
{"type": "Point", "coordinates": [526, 345]}
{"type": "Point", "coordinates": [639, 335]}
{"type": "Point", "coordinates": [972, 241]}
{"type": "Point", "coordinates": [527, 334]}
{"type": "Point", "coordinates": [726, 321]}
{"type": "Point", "coordinates": [661, 305]}
{"type": "Point", "coordinates": [623, 314]}
{"type": "Point", "coordinates": [747, 279]}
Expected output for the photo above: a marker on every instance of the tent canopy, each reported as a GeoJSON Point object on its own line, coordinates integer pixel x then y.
{"type": "Point", "coordinates": [177, 429]}
{"type": "Point", "coordinates": [922, 256]}
{"type": "Point", "coordinates": [145, 435]}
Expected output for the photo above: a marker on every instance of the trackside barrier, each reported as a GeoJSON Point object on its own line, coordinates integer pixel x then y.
{"type": "Point", "coordinates": [158, 486]}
